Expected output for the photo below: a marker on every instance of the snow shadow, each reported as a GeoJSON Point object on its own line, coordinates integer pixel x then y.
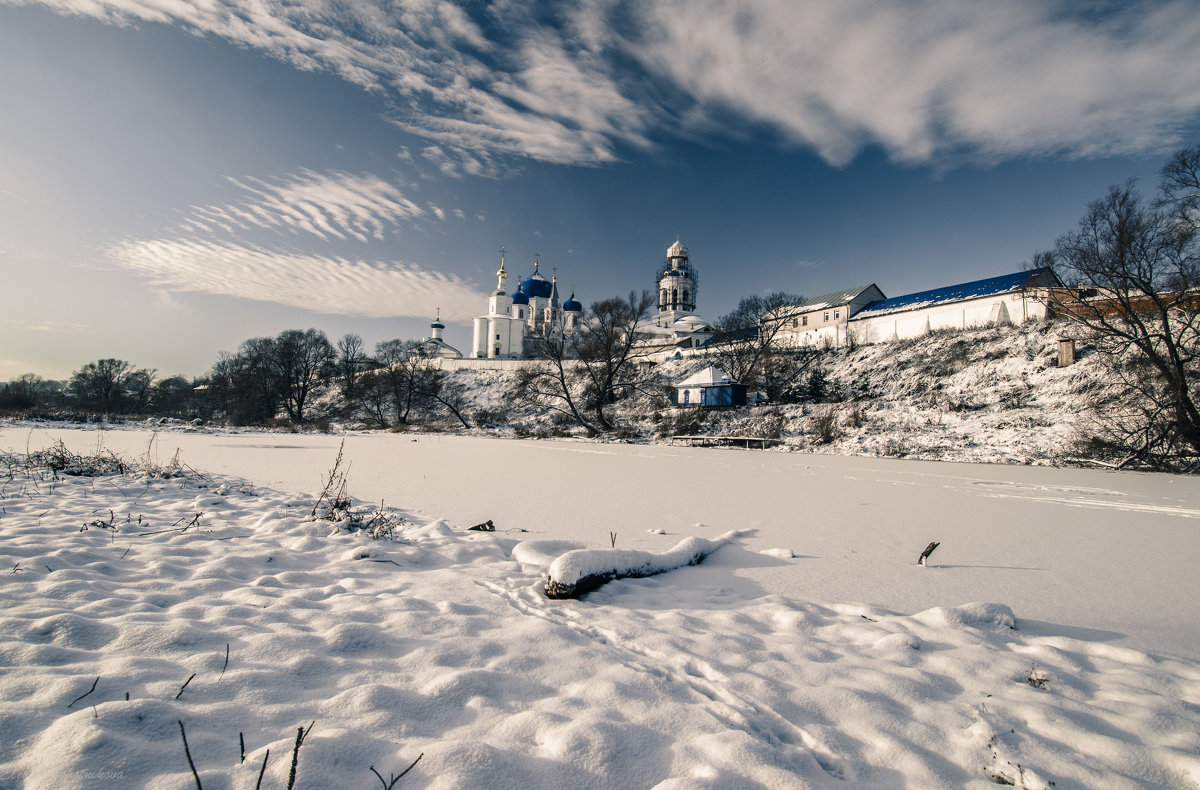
{"type": "Point", "coordinates": [1082, 633]}
{"type": "Point", "coordinates": [713, 584]}
{"type": "Point", "coordinates": [984, 567]}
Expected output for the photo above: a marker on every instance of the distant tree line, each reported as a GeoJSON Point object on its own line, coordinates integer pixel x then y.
{"type": "Point", "coordinates": [266, 381]}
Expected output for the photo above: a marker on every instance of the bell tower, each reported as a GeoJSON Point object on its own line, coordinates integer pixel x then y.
{"type": "Point", "coordinates": [677, 286]}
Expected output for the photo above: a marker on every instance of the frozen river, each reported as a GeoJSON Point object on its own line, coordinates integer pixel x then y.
{"type": "Point", "coordinates": [1099, 555]}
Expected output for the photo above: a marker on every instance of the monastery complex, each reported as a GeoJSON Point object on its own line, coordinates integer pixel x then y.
{"type": "Point", "coordinates": [862, 314]}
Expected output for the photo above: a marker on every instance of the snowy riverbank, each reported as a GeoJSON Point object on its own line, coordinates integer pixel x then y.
{"type": "Point", "coordinates": [1052, 630]}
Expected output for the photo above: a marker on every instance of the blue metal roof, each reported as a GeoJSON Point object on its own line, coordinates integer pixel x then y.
{"type": "Point", "coordinates": [954, 293]}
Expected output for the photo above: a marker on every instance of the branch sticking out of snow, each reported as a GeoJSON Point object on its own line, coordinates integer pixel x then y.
{"type": "Point", "coordinates": [578, 572]}
{"type": "Point", "coordinates": [925, 554]}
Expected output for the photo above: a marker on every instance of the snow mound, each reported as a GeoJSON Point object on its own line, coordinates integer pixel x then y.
{"type": "Point", "coordinates": [583, 570]}
{"type": "Point", "coordinates": [540, 553]}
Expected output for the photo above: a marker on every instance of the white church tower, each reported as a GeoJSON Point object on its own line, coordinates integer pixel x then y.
{"type": "Point", "coordinates": [500, 333]}
{"type": "Point", "coordinates": [677, 286]}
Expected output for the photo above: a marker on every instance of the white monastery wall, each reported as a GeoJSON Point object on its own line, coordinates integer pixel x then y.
{"type": "Point", "coordinates": [1006, 308]}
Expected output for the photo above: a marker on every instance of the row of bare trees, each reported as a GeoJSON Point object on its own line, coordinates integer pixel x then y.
{"type": "Point", "coordinates": [268, 375]}
{"type": "Point", "coordinates": [265, 378]}
{"type": "Point", "coordinates": [105, 386]}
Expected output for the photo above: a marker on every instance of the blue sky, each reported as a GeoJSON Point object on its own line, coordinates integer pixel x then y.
{"type": "Point", "coordinates": [176, 177]}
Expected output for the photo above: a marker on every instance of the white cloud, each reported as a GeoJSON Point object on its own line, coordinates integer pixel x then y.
{"type": "Point", "coordinates": [54, 327]}
{"type": "Point", "coordinates": [329, 285]}
{"type": "Point", "coordinates": [920, 79]}
{"type": "Point", "coordinates": [333, 205]}
{"type": "Point", "coordinates": [57, 327]}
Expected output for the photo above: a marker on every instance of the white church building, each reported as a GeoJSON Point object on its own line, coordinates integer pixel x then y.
{"type": "Point", "coordinates": [510, 320]}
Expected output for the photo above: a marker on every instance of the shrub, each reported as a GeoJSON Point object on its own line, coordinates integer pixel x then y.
{"type": "Point", "coordinates": [823, 424]}
{"type": "Point", "coordinates": [854, 415]}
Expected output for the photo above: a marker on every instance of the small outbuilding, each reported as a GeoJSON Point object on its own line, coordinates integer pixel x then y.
{"type": "Point", "coordinates": [710, 387]}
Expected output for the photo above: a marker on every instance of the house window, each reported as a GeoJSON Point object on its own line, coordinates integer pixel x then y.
{"type": "Point", "coordinates": [804, 321]}
{"type": "Point", "coordinates": [795, 323]}
{"type": "Point", "coordinates": [836, 313]}
{"type": "Point", "coordinates": [497, 336]}
{"type": "Point", "coordinates": [826, 315]}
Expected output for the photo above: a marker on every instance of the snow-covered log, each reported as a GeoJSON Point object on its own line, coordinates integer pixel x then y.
{"type": "Point", "coordinates": [580, 571]}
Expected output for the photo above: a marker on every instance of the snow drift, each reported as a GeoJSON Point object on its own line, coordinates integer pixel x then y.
{"type": "Point", "coordinates": [580, 571]}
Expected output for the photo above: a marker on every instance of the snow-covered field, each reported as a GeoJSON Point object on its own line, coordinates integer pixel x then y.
{"type": "Point", "coordinates": [1052, 639]}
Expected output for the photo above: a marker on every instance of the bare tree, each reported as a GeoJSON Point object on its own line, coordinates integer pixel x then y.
{"type": "Point", "coordinates": [554, 383]}
{"type": "Point", "coordinates": [1180, 188]}
{"type": "Point", "coordinates": [172, 396]}
{"type": "Point", "coordinates": [23, 392]}
{"type": "Point", "coordinates": [350, 361]}
{"type": "Point", "coordinates": [401, 369]}
{"type": "Point", "coordinates": [302, 360]}
{"type": "Point", "coordinates": [139, 390]}
{"type": "Point", "coordinates": [437, 387]}
{"type": "Point", "coordinates": [243, 386]}
{"type": "Point", "coordinates": [746, 345]}
{"type": "Point", "coordinates": [583, 370]}
{"type": "Point", "coordinates": [409, 377]}
{"type": "Point", "coordinates": [1138, 271]}
{"type": "Point", "coordinates": [101, 384]}
{"type": "Point", "coordinates": [375, 397]}
{"type": "Point", "coordinates": [607, 344]}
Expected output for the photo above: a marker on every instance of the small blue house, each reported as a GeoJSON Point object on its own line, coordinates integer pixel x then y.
{"type": "Point", "coordinates": [710, 387]}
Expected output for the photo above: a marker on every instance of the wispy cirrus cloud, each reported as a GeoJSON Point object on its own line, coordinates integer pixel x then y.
{"type": "Point", "coordinates": [56, 327]}
{"type": "Point", "coordinates": [578, 83]}
{"type": "Point", "coordinates": [210, 251]}
{"type": "Point", "coordinates": [322, 284]}
{"type": "Point", "coordinates": [331, 206]}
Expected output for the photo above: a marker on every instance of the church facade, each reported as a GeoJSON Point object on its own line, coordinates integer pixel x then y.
{"type": "Point", "coordinates": [534, 306]}
{"type": "Point", "coordinates": [531, 310]}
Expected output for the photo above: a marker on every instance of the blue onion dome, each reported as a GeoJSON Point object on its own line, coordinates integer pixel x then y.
{"type": "Point", "coordinates": [519, 297]}
{"type": "Point", "coordinates": [535, 285]}
{"type": "Point", "coordinates": [437, 325]}
{"type": "Point", "coordinates": [572, 305]}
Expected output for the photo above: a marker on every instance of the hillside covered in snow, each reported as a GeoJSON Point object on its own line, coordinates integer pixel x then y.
{"type": "Point", "coordinates": [993, 395]}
